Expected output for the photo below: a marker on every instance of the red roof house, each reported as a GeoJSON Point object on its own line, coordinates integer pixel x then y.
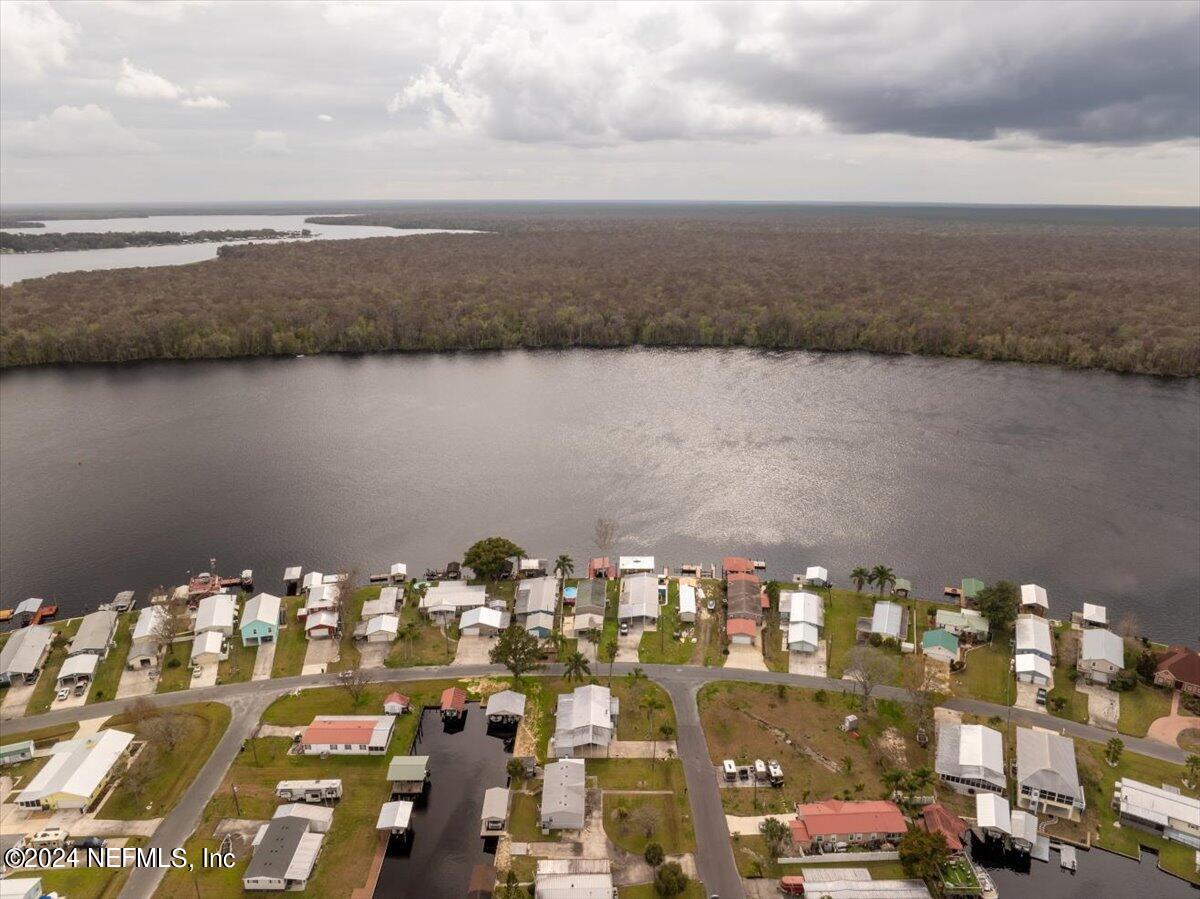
{"type": "Point", "coordinates": [835, 821]}
{"type": "Point", "coordinates": [454, 702]}
{"type": "Point", "coordinates": [602, 567]}
{"type": "Point", "coordinates": [1179, 669]}
{"type": "Point", "coordinates": [347, 734]}
{"type": "Point", "coordinates": [936, 818]}
{"type": "Point", "coordinates": [737, 565]}
{"type": "Point", "coordinates": [741, 627]}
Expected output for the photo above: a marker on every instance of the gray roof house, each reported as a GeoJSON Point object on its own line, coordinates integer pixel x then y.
{"type": "Point", "coordinates": [1101, 655]}
{"type": "Point", "coordinates": [563, 795]}
{"type": "Point", "coordinates": [639, 597]}
{"type": "Point", "coordinates": [285, 852]}
{"type": "Point", "coordinates": [591, 601]}
{"type": "Point", "coordinates": [584, 718]}
{"type": "Point", "coordinates": [22, 657]}
{"type": "Point", "coordinates": [507, 705]}
{"type": "Point", "coordinates": [95, 634]}
{"type": "Point", "coordinates": [970, 758]}
{"type": "Point", "coordinates": [1047, 778]}
{"type": "Point", "coordinates": [889, 619]}
{"type": "Point", "coordinates": [536, 594]}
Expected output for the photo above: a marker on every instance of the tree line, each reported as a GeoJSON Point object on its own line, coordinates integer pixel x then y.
{"type": "Point", "coordinates": [113, 240]}
{"type": "Point", "coordinates": [1080, 295]}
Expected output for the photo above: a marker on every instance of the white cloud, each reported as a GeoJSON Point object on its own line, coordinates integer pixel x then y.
{"type": "Point", "coordinates": [205, 102]}
{"type": "Point", "coordinates": [144, 84]}
{"type": "Point", "coordinates": [269, 143]}
{"type": "Point", "coordinates": [33, 39]}
{"type": "Point", "coordinates": [74, 131]}
{"type": "Point", "coordinates": [323, 117]}
{"type": "Point", "coordinates": [170, 10]}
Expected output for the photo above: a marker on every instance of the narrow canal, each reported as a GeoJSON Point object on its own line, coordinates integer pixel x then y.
{"type": "Point", "coordinates": [445, 846]}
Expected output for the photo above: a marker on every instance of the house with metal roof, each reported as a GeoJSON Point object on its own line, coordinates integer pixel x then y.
{"type": "Point", "coordinates": [687, 603]}
{"type": "Point", "coordinates": [322, 625]}
{"type": "Point", "coordinates": [95, 634]}
{"type": "Point", "coordinates": [216, 613]}
{"type": "Point", "coordinates": [805, 616]}
{"type": "Point", "coordinates": [1034, 600]}
{"type": "Point", "coordinates": [584, 718]}
{"type": "Point", "coordinates": [260, 620]}
{"type": "Point", "coordinates": [889, 620]}
{"type": "Point", "coordinates": [1160, 810]}
{"type": "Point", "coordinates": [940, 645]}
{"type": "Point", "coordinates": [1101, 655]}
{"type": "Point", "coordinates": [347, 734]}
{"type": "Point", "coordinates": [507, 706]}
{"type": "Point", "coordinates": [742, 597]}
{"type": "Point", "coordinates": [77, 772]}
{"type": "Point", "coordinates": [965, 624]}
{"type": "Point", "coordinates": [591, 602]}
{"type": "Point", "coordinates": [563, 795]}
{"type": "Point", "coordinates": [534, 595]}
{"type": "Point", "coordinates": [1047, 777]}
{"type": "Point", "coordinates": [209, 648]}
{"type": "Point", "coordinates": [80, 669]}
{"type": "Point", "coordinates": [482, 621]}
{"type": "Point", "coordinates": [970, 758]}
{"type": "Point", "coordinates": [444, 601]}
{"type": "Point", "coordinates": [395, 817]}
{"type": "Point", "coordinates": [23, 655]}
{"type": "Point", "coordinates": [285, 853]}
{"type": "Point", "coordinates": [145, 639]}
{"type": "Point", "coordinates": [321, 598]}
{"type": "Point", "coordinates": [639, 599]}
{"type": "Point", "coordinates": [816, 576]}
{"type": "Point", "coordinates": [635, 564]}
{"type": "Point", "coordinates": [1033, 636]}
{"type": "Point", "coordinates": [574, 878]}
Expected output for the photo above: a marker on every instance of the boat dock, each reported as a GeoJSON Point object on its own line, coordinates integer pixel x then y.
{"type": "Point", "coordinates": [1066, 858]}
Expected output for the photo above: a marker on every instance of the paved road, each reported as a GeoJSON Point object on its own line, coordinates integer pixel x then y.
{"type": "Point", "coordinates": [714, 855]}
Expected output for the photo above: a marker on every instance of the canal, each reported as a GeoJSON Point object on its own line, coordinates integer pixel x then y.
{"type": "Point", "coordinates": [437, 860]}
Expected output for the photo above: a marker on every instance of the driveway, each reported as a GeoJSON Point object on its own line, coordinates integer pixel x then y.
{"type": "Point", "coordinates": [264, 658]}
{"type": "Point", "coordinates": [747, 658]}
{"type": "Point", "coordinates": [319, 656]}
{"type": "Point", "coordinates": [1027, 698]}
{"type": "Point", "coordinates": [72, 701]}
{"type": "Point", "coordinates": [815, 664]}
{"type": "Point", "coordinates": [205, 677]}
{"type": "Point", "coordinates": [473, 650]}
{"type": "Point", "coordinates": [627, 646]}
{"type": "Point", "coordinates": [16, 699]}
{"type": "Point", "coordinates": [1104, 706]}
{"type": "Point", "coordinates": [1168, 728]}
{"type": "Point", "coordinates": [137, 682]}
{"type": "Point", "coordinates": [373, 655]}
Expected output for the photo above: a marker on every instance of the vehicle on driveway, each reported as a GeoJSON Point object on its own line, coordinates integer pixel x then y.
{"type": "Point", "coordinates": [624, 628]}
{"type": "Point", "coordinates": [1041, 696]}
{"type": "Point", "coordinates": [64, 694]}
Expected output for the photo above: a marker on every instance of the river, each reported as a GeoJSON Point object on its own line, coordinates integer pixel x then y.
{"type": "Point", "coordinates": [1088, 483]}
{"type": "Point", "coordinates": [19, 266]}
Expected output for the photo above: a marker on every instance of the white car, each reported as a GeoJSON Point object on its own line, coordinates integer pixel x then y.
{"type": "Point", "coordinates": [64, 694]}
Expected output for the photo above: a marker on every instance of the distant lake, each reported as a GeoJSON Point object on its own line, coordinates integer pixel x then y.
{"type": "Point", "coordinates": [18, 266]}
{"type": "Point", "coordinates": [1088, 483]}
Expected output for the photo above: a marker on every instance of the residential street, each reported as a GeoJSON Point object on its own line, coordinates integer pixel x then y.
{"type": "Point", "coordinates": [714, 855]}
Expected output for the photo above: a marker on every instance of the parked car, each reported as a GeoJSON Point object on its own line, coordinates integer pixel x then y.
{"type": "Point", "coordinates": [89, 843]}
{"type": "Point", "coordinates": [1041, 696]}
{"type": "Point", "coordinates": [80, 689]}
{"type": "Point", "coordinates": [624, 628]}
{"type": "Point", "coordinates": [64, 694]}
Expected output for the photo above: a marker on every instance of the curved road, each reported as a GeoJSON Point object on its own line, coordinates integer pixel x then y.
{"type": "Point", "coordinates": [714, 849]}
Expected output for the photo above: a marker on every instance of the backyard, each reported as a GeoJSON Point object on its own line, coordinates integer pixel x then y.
{"type": "Point", "coordinates": [660, 646]}
{"type": "Point", "coordinates": [291, 644]}
{"type": "Point", "coordinates": [987, 674]}
{"type": "Point", "coordinates": [108, 672]}
{"type": "Point", "coordinates": [176, 668]}
{"type": "Point", "coordinates": [47, 685]}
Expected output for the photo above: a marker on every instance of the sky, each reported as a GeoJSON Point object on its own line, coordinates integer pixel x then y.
{"type": "Point", "coordinates": [996, 102]}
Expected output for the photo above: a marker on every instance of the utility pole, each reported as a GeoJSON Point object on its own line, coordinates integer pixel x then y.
{"type": "Point", "coordinates": [236, 804]}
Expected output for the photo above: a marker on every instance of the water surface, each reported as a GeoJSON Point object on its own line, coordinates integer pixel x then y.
{"type": "Point", "coordinates": [1088, 483]}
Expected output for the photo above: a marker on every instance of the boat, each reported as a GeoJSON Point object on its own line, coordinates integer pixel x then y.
{"type": "Point", "coordinates": [6, 614]}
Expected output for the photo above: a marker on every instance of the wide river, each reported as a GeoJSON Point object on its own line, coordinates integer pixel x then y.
{"type": "Point", "coordinates": [1088, 483]}
{"type": "Point", "coordinates": [19, 266]}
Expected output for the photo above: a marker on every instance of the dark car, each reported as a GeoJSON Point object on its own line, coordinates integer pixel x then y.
{"type": "Point", "coordinates": [88, 843]}
{"type": "Point", "coordinates": [1041, 696]}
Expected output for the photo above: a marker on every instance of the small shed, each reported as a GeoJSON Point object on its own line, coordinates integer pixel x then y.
{"type": "Point", "coordinates": [395, 816]}
{"type": "Point", "coordinates": [396, 704]}
{"type": "Point", "coordinates": [291, 580]}
{"type": "Point", "coordinates": [687, 603]}
{"type": "Point", "coordinates": [454, 702]}
{"type": "Point", "coordinates": [506, 707]}
{"type": "Point", "coordinates": [495, 812]}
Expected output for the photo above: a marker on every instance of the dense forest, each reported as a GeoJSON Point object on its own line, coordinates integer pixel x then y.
{"type": "Point", "coordinates": [111, 240]}
{"type": "Point", "coordinates": [1123, 296]}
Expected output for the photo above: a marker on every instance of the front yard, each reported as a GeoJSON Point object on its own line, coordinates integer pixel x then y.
{"type": "Point", "coordinates": [176, 668]}
{"type": "Point", "coordinates": [1141, 706]}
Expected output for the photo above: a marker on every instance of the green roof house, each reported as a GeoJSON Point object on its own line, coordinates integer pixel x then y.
{"type": "Point", "coordinates": [941, 645]}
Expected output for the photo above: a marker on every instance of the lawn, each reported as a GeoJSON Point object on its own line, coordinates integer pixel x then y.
{"type": "Point", "coordinates": [667, 821]}
{"type": "Point", "coordinates": [637, 774]}
{"type": "Point", "coordinates": [299, 709]}
{"type": "Point", "coordinates": [84, 883]}
{"type": "Point", "coordinates": [745, 722]}
{"type": "Point", "coordinates": [240, 664]}
{"type": "Point", "coordinates": [177, 677]}
{"type": "Point", "coordinates": [351, 842]}
{"type": "Point", "coordinates": [291, 645]}
{"type": "Point", "coordinates": [660, 647]}
{"type": "Point", "coordinates": [47, 685]}
{"type": "Point", "coordinates": [774, 655]}
{"type": "Point", "coordinates": [694, 890]}
{"type": "Point", "coordinates": [108, 672]}
{"type": "Point", "coordinates": [427, 645]}
{"type": "Point", "coordinates": [523, 818]}
{"type": "Point", "coordinates": [608, 639]}
{"type": "Point", "coordinates": [987, 674]}
{"type": "Point", "coordinates": [1074, 704]}
{"type": "Point", "coordinates": [1141, 706]}
{"type": "Point", "coordinates": [202, 725]}
{"type": "Point", "coordinates": [351, 613]}
{"type": "Point", "coordinates": [843, 608]}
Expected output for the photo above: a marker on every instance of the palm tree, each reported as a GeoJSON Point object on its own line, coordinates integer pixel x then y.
{"type": "Point", "coordinates": [634, 680]}
{"type": "Point", "coordinates": [651, 704]}
{"type": "Point", "coordinates": [610, 650]}
{"type": "Point", "coordinates": [408, 632]}
{"type": "Point", "coordinates": [576, 667]}
{"type": "Point", "coordinates": [564, 566]}
{"type": "Point", "coordinates": [860, 576]}
{"type": "Point", "coordinates": [882, 577]}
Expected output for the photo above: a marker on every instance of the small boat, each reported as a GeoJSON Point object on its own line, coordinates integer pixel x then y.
{"type": "Point", "coordinates": [6, 614]}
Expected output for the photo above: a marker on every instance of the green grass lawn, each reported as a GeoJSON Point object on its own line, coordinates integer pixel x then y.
{"type": "Point", "coordinates": [300, 709]}
{"type": "Point", "coordinates": [1141, 706]}
{"type": "Point", "coordinates": [351, 614]}
{"type": "Point", "coordinates": [842, 612]}
{"type": "Point", "coordinates": [608, 638]}
{"type": "Point", "coordinates": [47, 685]}
{"type": "Point", "coordinates": [351, 842]}
{"type": "Point", "coordinates": [240, 665]}
{"type": "Point", "coordinates": [427, 646]}
{"type": "Point", "coordinates": [669, 824]}
{"type": "Point", "coordinates": [638, 774]}
{"type": "Point", "coordinates": [108, 672]}
{"type": "Point", "coordinates": [291, 645]}
{"type": "Point", "coordinates": [178, 677]}
{"type": "Point", "coordinates": [694, 890]}
{"type": "Point", "coordinates": [987, 675]}
{"type": "Point", "coordinates": [774, 655]}
{"type": "Point", "coordinates": [660, 647]}
{"type": "Point", "coordinates": [524, 817]}
{"type": "Point", "coordinates": [85, 883]}
{"type": "Point", "coordinates": [202, 725]}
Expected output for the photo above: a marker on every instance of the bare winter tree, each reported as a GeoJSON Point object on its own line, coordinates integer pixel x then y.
{"type": "Point", "coordinates": [924, 689]}
{"type": "Point", "coordinates": [1129, 627]}
{"type": "Point", "coordinates": [605, 535]}
{"type": "Point", "coordinates": [171, 623]}
{"type": "Point", "coordinates": [869, 667]}
{"type": "Point", "coordinates": [355, 683]}
{"type": "Point", "coordinates": [166, 731]}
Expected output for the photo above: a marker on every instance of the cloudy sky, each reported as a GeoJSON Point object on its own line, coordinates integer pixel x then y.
{"type": "Point", "coordinates": [997, 102]}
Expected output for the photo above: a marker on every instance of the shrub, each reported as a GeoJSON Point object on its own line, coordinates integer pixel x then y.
{"type": "Point", "coordinates": [669, 880]}
{"type": "Point", "coordinates": [173, 662]}
{"type": "Point", "coordinates": [653, 855]}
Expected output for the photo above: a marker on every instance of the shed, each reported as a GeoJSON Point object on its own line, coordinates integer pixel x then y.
{"type": "Point", "coordinates": [687, 603]}
{"type": "Point", "coordinates": [395, 704]}
{"type": "Point", "coordinates": [495, 812]}
{"type": "Point", "coordinates": [454, 702]}
{"type": "Point", "coordinates": [395, 816]}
